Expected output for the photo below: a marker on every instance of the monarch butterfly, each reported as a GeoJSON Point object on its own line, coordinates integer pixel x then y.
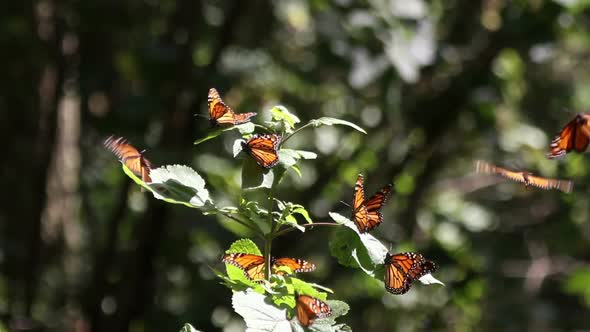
{"type": "Point", "coordinates": [310, 308]}
{"type": "Point", "coordinates": [403, 268]}
{"type": "Point", "coordinates": [574, 136]}
{"type": "Point", "coordinates": [264, 149]}
{"type": "Point", "coordinates": [525, 177]}
{"type": "Point", "coordinates": [221, 114]}
{"type": "Point", "coordinates": [366, 214]}
{"type": "Point", "coordinates": [253, 265]}
{"type": "Point", "coordinates": [130, 156]}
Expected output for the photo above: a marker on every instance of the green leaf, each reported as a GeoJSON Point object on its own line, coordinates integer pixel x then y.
{"type": "Point", "coordinates": [188, 328]}
{"type": "Point", "coordinates": [256, 177]}
{"type": "Point", "coordinates": [289, 157]}
{"type": "Point", "coordinates": [258, 215]}
{"type": "Point", "coordinates": [179, 184]}
{"type": "Point", "coordinates": [288, 286]}
{"type": "Point", "coordinates": [327, 121]}
{"type": "Point", "coordinates": [244, 128]}
{"type": "Point", "coordinates": [135, 178]}
{"type": "Point", "coordinates": [259, 314]}
{"type": "Point", "coordinates": [245, 246]}
{"type": "Point", "coordinates": [282, 114]}
{"type": "Point", "coordinates": [303, 212]}
{"type": "Point", "coordinates": [354, 249]}
{"type": "Point", "coordinates": [237, 146]}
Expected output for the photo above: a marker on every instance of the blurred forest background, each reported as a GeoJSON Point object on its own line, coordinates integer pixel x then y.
{"type": "Point", "coordinates": [437, 84]}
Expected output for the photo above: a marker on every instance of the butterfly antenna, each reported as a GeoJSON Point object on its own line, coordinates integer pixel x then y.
{"type": "Point", "coordinates": [200, 115]}
{"type": "Point", "coordinates": [343, 202]}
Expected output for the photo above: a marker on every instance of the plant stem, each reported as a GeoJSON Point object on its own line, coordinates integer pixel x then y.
{"type": "Point", "coordinates": [267, 256]}
{"type": "Point", "coordinates": [269, 236]}
{"type": "Point", "coordinates": [287, 230]}
{"type": "Point", "coordinates": [295, 132]}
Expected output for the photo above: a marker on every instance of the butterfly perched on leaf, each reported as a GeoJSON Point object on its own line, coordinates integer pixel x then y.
{"type": "Point", "coordinates": [404, 268]}
{"type": "Point", "coordinates": [574, 136]}
{"type": "Point", "coordinates": [253, 265]}
{"type": "Point", "coordinates": [525, 177]}
{"type": "Point", "coordinates": [366, 213]}
{"type": "Point", "coordinates": [263, 148]}
{"type": "Point", "coordinates": [310, 308]}
{"type": "Point", "coordinates": [130, 157]}
{"type": "Point", "coordinates": [222, 115]}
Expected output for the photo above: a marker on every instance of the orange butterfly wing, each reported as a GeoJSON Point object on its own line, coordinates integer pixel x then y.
{"type": "Point", "coordinates": [574, 136]}
{"type": "Point", "coordinates": [544, 183]}
{"type": "Point", "coordinates": [366, 213]}
{"type": "Point", "coordinates": [264, 149]}
{"type": "Point", "coordinates": [525, 177]}
{"type": "Point", "coordinates": [130, 156]}
{"type": "Point", "coordinates": [221, 114]}
{"type": "Point", "coordinates": [402, 269]}
{"type": "Point", "coordinates": [252, 265]}
{"type": "Point", "coordinates": [295, 264]}
{"type": "Point", "coordinates": [310, 308]}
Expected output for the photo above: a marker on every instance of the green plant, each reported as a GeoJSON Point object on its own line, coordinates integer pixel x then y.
{"type": "Point", "coordinates": [269, 304]}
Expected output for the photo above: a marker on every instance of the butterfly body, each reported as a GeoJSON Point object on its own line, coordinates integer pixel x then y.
{"type": "Point", "coordinates": [527, 178]}
{"type": "Point", "coordinates": [575, 136]}
{"type": "Point", "coordinates": [366, 213]}
{"type": "Point", "coordinates": [263, 148]}
{"type": "Point", "coordinates": [404, 268]}
{"type": "Point", "coordinates": [310, 308]}
{"type": "Point", "coordinates": [130, 157]}
{"type": "Point", "coordinates": [253, 265]}
{"type": "Point", "coordinates": [221, 114]}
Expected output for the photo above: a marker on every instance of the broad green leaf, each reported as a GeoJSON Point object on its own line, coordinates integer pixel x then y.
{"type": "Point", "coordinates": [237, 146]}
{"type": "Point", "coordinates": [291, 286]}
{"type": "Point", "coordinates": [179, 184]}
{"type": "Point", "coordinates": [245, 246]}
{"type": "Point", "coordinates": [303, 212]}
{"type": "Point", "coordinates": [288, 157]}
{"type": "Point", "coordinates": [282, 114]}
{"type": "Point", "coordinates": [307, 154]}
{"type": "Point", "coordinates": [256, 177]}
{"type": "Point", "coordinates": [429, 279]}
{"type": "Point", "coordinates": [257, 215]}
{"type": "Point", "coordinates": [326, 121]}
{"type": "Point", "coordinates": [354, 249]}
{"type": "Point", "coordinates": [244, 128]}
{"type": "Point", "coordinates": [259, 315]}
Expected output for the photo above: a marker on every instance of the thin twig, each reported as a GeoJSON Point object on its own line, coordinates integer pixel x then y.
{"type": "Point", "coordinates": [295, 132]}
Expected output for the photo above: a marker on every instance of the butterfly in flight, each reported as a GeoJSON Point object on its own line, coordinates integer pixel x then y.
{"type": "Point", "coordinates": [574, 136]}
{"type": "Point", "coordinates": [525, 177]}
{"type": "Point", "coordinates": [130, 157]}
{"type": "Point", "coordinates": [253, 265]}
{"type": "Point", "coordinates": [222, 115]}
{"type": "Point", "coordinates": [310, 308]}
{"type": "Point", "coordinates": [263, 148]}
{"type": "Point", "coordinates": [366, 213]}
{"type": "Point", "coordinates": [404, 268]}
